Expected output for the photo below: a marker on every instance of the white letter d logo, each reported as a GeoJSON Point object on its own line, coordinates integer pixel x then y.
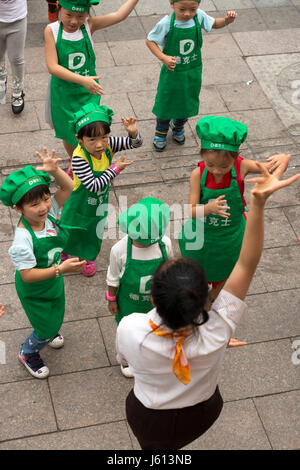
{"type": "Point", "coordinates": [186, 46]}
{"type": "Point", "coordinates": [76, 60]}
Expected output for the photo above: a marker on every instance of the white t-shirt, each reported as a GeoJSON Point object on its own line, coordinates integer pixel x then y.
{"type": "Point", "coordinates": [118, 257]}
{"type": "Point", "coordinates": [160, 31]}
{"type": "Point", "coordinates": [151, 357]}
{"type": "Point", "coordinates": [12, 10]}
{"type": "Point", "coordinates": [21, 251]}
{"type": "Point", "coordinates": [76, 36]}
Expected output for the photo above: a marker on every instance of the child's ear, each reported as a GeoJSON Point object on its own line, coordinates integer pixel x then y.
{"type": "Point", "coordinates": [79, 140]}
{"type": "Point", "coordinates": [152, 300]}
{"type": "Point", "coordinates": [17, 209]}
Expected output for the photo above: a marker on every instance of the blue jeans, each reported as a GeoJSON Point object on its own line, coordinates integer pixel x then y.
{"type": "Point", "coordinates": [33, 344]}
{"type": "Point", "coordinates": [162, 125]}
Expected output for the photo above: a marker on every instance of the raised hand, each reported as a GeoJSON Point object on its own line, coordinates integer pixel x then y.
{"type": "Point", "coordinates": [130, 125]}
{"type": "Point", "coordinates": [269, 183]}
{"type": "Point", "coordinates": [49, 162]}
{"type": "Point", "coordinates": [275, 161]}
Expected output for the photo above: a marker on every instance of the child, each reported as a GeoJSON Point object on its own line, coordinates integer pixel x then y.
{"type": "Point", "coordinates": [218, 185]}
{"type": "Point", "coordinates": [35, 252]}
{"type": "Point", "coordinates": [176, 350]}
{"type": "Point", "coordinates": [135, 258]}
{"type": "Point", "coordinates": [13, 27]}
{"type": "Point", "coordinates": [179, 35]}
{"type": "Point", "coordinates": [93, 171]}
{"type": "Point", "coordinates": [70, 59]}
{"type": "Point", "coordinates": [52, 10]}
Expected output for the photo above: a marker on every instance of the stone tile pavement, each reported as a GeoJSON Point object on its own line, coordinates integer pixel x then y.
{"type": "Point", "coordinates": [251, 73]}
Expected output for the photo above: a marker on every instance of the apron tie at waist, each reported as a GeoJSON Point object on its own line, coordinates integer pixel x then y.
{"type": "Point", "coordinates": [180, 364]}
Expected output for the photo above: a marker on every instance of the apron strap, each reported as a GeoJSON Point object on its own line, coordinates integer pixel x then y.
{"type": "Point", "coordinates": [162, 246]}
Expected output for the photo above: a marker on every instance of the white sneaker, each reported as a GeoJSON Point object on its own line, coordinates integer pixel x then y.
{"type": "Point", "coordinates": [57, 342]}
{"type": "Point", "coordinates": [34, 364]}
{"type": "Point", "coordinates": [17, 102]}
{"type": "Point", "coordinates": [3, 86]}
{"type": "Point", "coordinates": [126, 371]}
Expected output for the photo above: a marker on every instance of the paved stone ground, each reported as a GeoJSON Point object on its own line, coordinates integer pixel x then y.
{"type": "Point", "coordinates": [251, 73]}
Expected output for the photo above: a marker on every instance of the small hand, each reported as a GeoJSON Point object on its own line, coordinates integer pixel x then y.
{"type": "Point", "coordinates": [268, 184]}
{"type": "Point", "coordinates": [121, 164]}
{"type": "Point", "coordinates": [113, 307]}
{"type": "Point", "coordinates": [230, 17]}
{"type": "Point", "coordinates": [72, 265]}
{"type": "Point", "coordinates": [50, 163]}
{"type": "Point", "coordinates": [275, 161]}
{"type": "Point", "coordinates": [130, 125]}
{"type": "Point", "coordinates": [1, 309]}
{"type": "Point", "coordinates": [92, 86]}
{"type": "Point", "coordinates": [219, 207]}
{"type": "Point", "coordinates": [170, 62]}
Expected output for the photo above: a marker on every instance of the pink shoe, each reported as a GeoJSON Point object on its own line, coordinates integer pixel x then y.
{"type": "Point", "coordinates": [89, 269]}
{"type": "Point", "coordinates": [63, 256]}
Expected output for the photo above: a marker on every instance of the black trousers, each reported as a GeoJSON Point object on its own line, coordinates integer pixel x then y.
{"type": "Point", "coordinates": [174, 428]}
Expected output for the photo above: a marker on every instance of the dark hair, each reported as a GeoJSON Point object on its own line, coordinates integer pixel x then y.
{"type": "Point", "coordinates": [34, 194]}
{"type": "Point", "coordinates": [227, 153]}
{"type": "Point", "coordinates": [179, 289]}
{"type": "Point", "coordinates": [94, 129]}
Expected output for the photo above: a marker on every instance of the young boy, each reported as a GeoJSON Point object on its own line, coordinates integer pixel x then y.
{"type": "Point", "coordinates": [134, 259]}
{"type": "Point", "coordinates": [180, 38]}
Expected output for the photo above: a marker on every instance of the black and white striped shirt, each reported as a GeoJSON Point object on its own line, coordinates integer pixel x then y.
{"type": "Point", "coordinates": [83, 171]}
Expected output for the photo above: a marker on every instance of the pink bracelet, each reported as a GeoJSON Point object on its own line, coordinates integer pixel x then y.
{"type": "Point", "coordinates": [115, 169]}
{"type": "Point", "coordinates": [110, 298]}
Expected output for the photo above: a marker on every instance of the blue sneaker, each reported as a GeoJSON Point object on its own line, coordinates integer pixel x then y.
{"type": "Point", "coordinates": [178, 136]}
{"type": "Point", "coordinates": [159, 143]}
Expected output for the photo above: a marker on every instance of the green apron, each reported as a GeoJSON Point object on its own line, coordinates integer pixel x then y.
{"type": "Point", "coordinates": [87, 210]}
{"type": "Point", "coordinates": [178, 92]}
{"type": "Point", "coordinates": [220, 239]}
{"type": "Point", "coordinates": [44, 301]}
{"type": "Point", "coordinates": [134, 290]}
{"type": "Point", "coordinates": [68, 97]}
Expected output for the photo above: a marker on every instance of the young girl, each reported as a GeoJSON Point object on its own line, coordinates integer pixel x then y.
{"type": "Point", "coordinates": [35, 252]}
{"type": "Point", "coordinates": [134, 259]}
{"type": "Point", "coordinates": [218, 185]}
{"type": "Point", "coordinates": [13, 28]}
{"type": "Point", "coordinates": [93, 170]}
{"type": "Point", "coordinates": [180, 38]}
{"type": "Point", "coordinates": [176, 350]}
{"type": "Point", "coordinates": [70, 59]}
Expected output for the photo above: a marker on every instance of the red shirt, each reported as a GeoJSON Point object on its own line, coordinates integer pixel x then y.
{"type": "Point", "coordinates": [225, 183]}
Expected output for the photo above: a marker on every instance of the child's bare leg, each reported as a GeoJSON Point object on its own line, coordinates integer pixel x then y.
{"type": "Point", "coordinates": [213, 294]}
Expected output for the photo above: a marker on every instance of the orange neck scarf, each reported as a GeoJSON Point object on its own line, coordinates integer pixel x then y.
{"type": "Point", "coordinates": [180, 364]}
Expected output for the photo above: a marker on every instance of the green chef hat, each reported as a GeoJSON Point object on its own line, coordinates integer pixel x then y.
{"type": "Point", "coordinates": [221, 133]}
{"type": "Point", "coordinates": [19, 182]}
{"type": "Point", "coordinates": [145, 222]}
{"type": "Point", "coordinates": [91, 112]}
{"type": "Point", "coordinates": [78, 6]}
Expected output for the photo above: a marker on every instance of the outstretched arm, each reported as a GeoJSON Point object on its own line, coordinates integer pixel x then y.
{"type": "Point", "coordinates": [239, 280]}
{"type": "Point", "coordinates": [99, 22]}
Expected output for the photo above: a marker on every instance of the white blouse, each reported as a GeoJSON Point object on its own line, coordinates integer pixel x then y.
{"type": "Point", "coordinates": [151, 357]}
